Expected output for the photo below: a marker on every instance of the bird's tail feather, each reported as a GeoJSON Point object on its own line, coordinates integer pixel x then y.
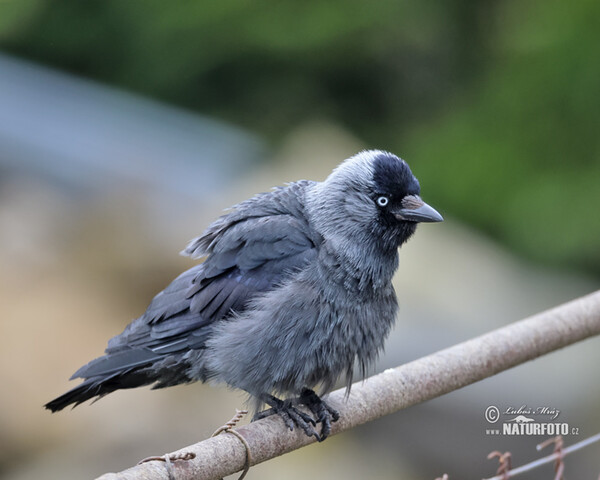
{"type": "Point", "coordinates": [115, 371]}
{"type": "Point", "coordinates": [99, 386]}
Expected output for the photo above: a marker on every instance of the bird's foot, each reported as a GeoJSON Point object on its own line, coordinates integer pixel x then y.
{"type": "Point", "coordinates": [324, 413]}
{"type": "Point", "coordinates": [290, 414]}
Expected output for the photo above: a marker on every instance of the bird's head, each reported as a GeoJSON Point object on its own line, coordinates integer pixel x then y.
{"type": "Point", "coordinates": [372, 196]}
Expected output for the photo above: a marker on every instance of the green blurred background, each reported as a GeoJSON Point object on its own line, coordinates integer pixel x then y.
{"type": "Point", "coordinates": [495, 105]}
{"type": "Point", "coordinates": [496, 102]}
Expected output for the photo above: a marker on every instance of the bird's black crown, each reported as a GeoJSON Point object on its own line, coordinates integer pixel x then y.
{"type": "Point", "coordinates": [392, 176]}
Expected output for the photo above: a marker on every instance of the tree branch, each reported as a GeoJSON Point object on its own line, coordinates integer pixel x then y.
{"type": "Point", "coordinates": [390, 391]}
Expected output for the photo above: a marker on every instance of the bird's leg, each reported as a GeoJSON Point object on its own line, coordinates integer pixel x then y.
{"type": "Point", "coordinates": [324, 413]}
{"type": "Point", "coordinates": [289, 413]}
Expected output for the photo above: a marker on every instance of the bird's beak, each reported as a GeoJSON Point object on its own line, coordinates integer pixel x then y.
{"type": "Point", "coordinates": [416, 210]}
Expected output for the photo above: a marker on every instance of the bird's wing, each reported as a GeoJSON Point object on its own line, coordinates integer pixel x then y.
{"type": "Point", "coordinates": [250, 250]}
{"type": "Point", "coordinates": [251, 257]}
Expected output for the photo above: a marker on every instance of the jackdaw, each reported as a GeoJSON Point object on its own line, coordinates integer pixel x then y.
{"type": "Point", "coordinates": [295, 290]}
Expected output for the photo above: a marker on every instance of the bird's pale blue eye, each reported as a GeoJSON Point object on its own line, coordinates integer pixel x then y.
{"type": "Point", "coordinates": [383, 201]}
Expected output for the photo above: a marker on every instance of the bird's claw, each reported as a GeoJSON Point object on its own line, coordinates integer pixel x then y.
{"type": "Point", "coordinates": [324, 413]}
{"type": "Point", "coordinates": [292, 415]}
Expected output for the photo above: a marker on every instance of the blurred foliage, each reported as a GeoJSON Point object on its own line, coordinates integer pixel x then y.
{"type": "Point", "coordinates": [495, 103]}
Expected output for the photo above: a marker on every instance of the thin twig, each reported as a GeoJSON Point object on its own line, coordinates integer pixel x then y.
{"type": "Point", "coordinates": [228, 428]}
{"type": "Point", "coordinates": [392, 390]}
{"type": "Point", "coordinates": [504, 461]}
{"type": "Point", "coordinates": [550, 458]}
{"type": "Point", "coordinates": [559, 465]}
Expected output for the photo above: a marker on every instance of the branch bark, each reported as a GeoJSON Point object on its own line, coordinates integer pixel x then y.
{"type": "Point", "coordinates": [390, 391]}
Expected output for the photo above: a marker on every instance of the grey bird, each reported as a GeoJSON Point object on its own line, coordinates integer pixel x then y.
{"type": "Point", "coordinates": [295, 290]}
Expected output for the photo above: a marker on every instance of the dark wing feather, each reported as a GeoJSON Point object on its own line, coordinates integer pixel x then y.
{"type": "Point", "coordinates": [230, 277]}
{"type": "Point", "coordinates": [250, 251]}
